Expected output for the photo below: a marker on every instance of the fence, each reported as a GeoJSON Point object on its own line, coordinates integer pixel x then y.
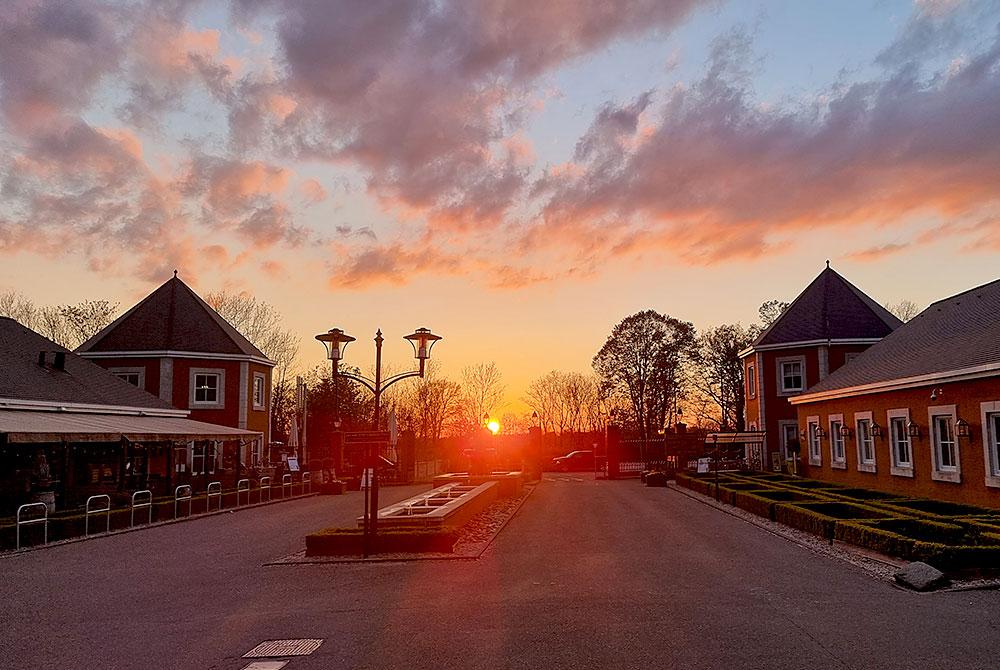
{"type": "Point", "coordinates": [306, 482]}
{"type": "Point", "coordinates": [242, 486]}
{"type": "Point", "coordinates": [214, 490]}
{"type": "Point", "coordinates": [286, 481]}
{"type": "Point", "coordinates": [27, 522]}
{"type": "Point", "coordinates": [264, 485]}
{"type": "Point", "coordinates": [105, 508]}
{"type": "Point", "coordinates": [182, 493]}
{"type": "Point", "coordinates": [148, 504]}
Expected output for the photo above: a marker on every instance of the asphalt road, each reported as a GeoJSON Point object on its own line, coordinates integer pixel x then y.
{"type": "Point", "coordinates": [587, 575]}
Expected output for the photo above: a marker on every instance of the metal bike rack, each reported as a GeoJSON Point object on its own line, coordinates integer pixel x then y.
{"type": "Point", "coordinates": [182, 493]}
{"type": "Point", "coordinates": [307, 482]}
{"type": "Point", "coordinates": [242, 486]}
{"type": "Point", "coordinates": [264, 485]}
{"type": "Point", "coordinates": [148, 504]}
{"type": "Point", "coordinates": [286, 480]}
{"type": "Point", "coordinates": [214, 490]}
{"type": "Point", "coordinates": [105, 509]}
{"type": "Point", "coordinates": [44, 519]}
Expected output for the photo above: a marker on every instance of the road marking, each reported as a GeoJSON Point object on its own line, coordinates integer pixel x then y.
{"type": "Point", "coordinates": [281, 648]}
{"type": "Point", "coordinates": [266, 665]}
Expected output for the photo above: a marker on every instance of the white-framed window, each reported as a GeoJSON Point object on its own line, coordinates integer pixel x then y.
{"type": "Point", "coordinates": [789, 432]}
{"type": "Point", "coordinates": [259, 391]}
{"type": "Point", "coordinates": [791, 375]}
{"type": "Point", "coordinates": [182, 457]}
{"type": "Point", "coordinates": [815, 446]}
{"type": "Point", "coordinates": [257, 453]}
{"type": "Point", "coordinates": [865, 441]}
{"type": "Point", "coordinates": [946, 465]}
{"type": "Point", "coordinates": [133, 376]}
{"type": "Point", "coordinates": [838, 452]}
{"type": "Point", "coordinates": [205, 457]}
{"type": "Point", "coordinates": [208, 388]}
{"type": "Point", "coordinates": [900, 446]}
{"type": "Point", "coordinates": [990, 414]}
{"type": "Point", "coordinates": [751, 382]}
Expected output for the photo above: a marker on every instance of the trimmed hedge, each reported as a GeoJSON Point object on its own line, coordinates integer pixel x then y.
{"type": "Point", "coordinates": [811, 484]}
{"type": "Point", "coordinates": [938, 508]}
{"type": "Point", "coordinates": [762, 502]}
{"type": "Point", "coordinates": [350, 541]}
{"type": "Point", "coordinates": [820, 518]}
{"type": "Point", "coordinates": [865, 494]}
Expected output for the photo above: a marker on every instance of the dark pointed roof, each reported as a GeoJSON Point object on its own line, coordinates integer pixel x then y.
{"type": "Point", "coordinates": [79, 382]}
{"type": "Point", "coordinates": [830, 308]}
{"type": "Point", "coordinates": [956, 333]}
{"type": "Point", "coordinates": [171, 318]}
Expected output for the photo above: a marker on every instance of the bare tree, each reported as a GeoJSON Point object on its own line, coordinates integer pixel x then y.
{"type": "Point", "coordinates": [566, 401]}
{"type": "Point", "coordinates": [261, 323]}
{"type": "Point", "coordinates": [643, 359]}
{"type": "Point", "coordinates": [904, 310]}
{"type": "Point", "coordinates": [771, 310]}
{"type": "Point", "coordinates": [66, 325]}
{"type": "Point", "coordinates": [718, 374]}
{"type": "Point", "coordinates": [484, 388]}
{"type": "Point", "coordinates": [430, 407]}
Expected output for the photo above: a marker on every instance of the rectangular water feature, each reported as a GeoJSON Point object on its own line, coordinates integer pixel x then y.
{"type": "Point", "coordinates": [448, 505]}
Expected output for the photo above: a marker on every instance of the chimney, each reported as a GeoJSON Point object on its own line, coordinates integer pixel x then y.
{"type": "Point", "coordinates": [60, 360]}
{"type": "Point", "coordinates": [41, 358]}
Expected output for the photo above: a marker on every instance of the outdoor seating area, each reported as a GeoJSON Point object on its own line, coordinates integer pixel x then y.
{"type": "Point", "coordinates": [952, 537]}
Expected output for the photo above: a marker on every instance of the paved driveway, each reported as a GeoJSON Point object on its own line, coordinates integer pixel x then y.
{"type": "Point", "coordinates": [588, 575]}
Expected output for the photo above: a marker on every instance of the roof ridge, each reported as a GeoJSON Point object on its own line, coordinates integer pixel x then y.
{"type": "Point", "coordinates": [959, 295]}
{"type": "Point", "coordinates": [229, 329]}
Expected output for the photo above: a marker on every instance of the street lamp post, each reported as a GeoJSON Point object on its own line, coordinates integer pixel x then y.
{"type": "Point", "coordinates": [336, 340]}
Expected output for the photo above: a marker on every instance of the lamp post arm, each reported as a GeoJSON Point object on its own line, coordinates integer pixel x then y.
{"type": "Point", "coordinates": [401, 376]}
{"type": "Point", "coordinates": [361, 379]}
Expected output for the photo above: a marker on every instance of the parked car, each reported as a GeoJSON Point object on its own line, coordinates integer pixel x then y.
{"type": "Point", "coordinates": [577, 461]}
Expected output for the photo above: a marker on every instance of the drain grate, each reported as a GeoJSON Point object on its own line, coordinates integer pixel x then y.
{"type": "Point", "coordinates": [282, 648]}
{"type": "Point", "coordinates": [266, 665]}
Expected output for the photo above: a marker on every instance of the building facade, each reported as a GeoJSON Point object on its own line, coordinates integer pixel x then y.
{"type": "Point", "coordinates": [174, 345]}
{"type": "Point", "coordinates": [829, 324]}
{"type": "Point", "coordinates": [919, 413]}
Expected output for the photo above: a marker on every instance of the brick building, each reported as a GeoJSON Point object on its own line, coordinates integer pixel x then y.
{"type": "Point", "coordinates": [919, 412]}
{"type": "Point", "coordinates": [70, 429]}
{"type": "Point", "coordinates": [827, 325]}
{"type": "Point", "coordinates": [174, 345]}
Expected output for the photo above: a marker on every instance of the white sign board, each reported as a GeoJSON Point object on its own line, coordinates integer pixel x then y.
{"type": "Point", "coordinates": [293, 463]}
{"type": "Point", "coordinates": [366, 479]}
{"type": "Point", "coordinates": [703, 464]}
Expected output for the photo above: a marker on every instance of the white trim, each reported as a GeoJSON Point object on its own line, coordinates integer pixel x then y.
{"type": "Point", "coordinates": [812, 428]}
{"type": "Point", "coordinates": [87, 408]}
{"type": "Point", "coordinates": [835, 463]}
{"type": "Point", "coordinates": [895, 467]}
{"type": "Point", "coordinates": [751, 378]}
{"type": "Point", "coordinates": [806, 343]}
{"type": "Point", "coordinates": [178, 354]}
{"type": "Point", "coordinates": [779, 363]}
{"type": "Point", "coordinates": [991, 458]}
{"type": "Point", "coordinates": [944, 473]}
{"type": "Point", "coordinates": [761, 416]}
{"type": "Point", "coordinates": [864, 465]}
{"type": "Point", "coordinates": [220, 401]}
{"type": "Point", "coordinates": [962, 374]}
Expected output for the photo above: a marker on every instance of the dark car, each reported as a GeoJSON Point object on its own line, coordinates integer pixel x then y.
{"type": "Point", "coordinates": [574, 461]}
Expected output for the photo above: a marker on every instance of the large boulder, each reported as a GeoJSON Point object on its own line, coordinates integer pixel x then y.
{"type": "Point", "coordinates": [921, 577]}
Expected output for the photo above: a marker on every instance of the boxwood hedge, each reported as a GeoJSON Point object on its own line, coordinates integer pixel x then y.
{"type": "Point", "coordinates": [820, 518]}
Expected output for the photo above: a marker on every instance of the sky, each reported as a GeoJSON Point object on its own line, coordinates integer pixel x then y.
{"type": "Point", "coordinates": [517, 176]}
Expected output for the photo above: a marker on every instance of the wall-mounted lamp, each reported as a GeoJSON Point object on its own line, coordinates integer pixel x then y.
{"type": "Point", "coordinates": [845, 431]}
{"type": "Point", "coordinates": [820, 433]}
{"type": "Point", "coordinates": [963, 429]}
{"type": "Point", "coordinates": [936, 392]}
{"type": "Point", "coordinates": [876, 429]}
{"type": "Point", "coordinates": [912, 429]}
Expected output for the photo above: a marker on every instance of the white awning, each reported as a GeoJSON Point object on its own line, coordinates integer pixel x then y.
{"type": "Point", "coordinates": [35, 427]}
{"type": "Point", "coordinates": [745, 437]}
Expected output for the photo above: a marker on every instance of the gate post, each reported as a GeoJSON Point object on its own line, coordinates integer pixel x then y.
{"type": "Point", "coordinates": [613, 439]}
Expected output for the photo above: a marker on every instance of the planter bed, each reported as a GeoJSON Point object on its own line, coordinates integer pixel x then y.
{"type": "Point", "coordinates": [820, 518]}
{"type": "Point", "coordinates": [350, 541]}
{"type": "Point", "coordinates": [762, 502]}
{"type": "Point", "coordinates": [937, 509]}
{"type": "Point", "coordinates": [946, 546]}
{"type": "Point", "coordinates": [864, 494]}
{"type": "Point", "coordinates": [810, 484]}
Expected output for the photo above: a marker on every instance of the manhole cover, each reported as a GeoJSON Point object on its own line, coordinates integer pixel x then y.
{"type": "Point", "coordinates": [281, 648]}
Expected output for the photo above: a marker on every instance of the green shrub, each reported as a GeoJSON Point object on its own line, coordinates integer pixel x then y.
{"type": "Point", "coordinates": [762, 502]}
{"type": "Point", "coordinates": [940, 508]}
{"type": "Point", "coordinates": [656, 479]}
{"type": "Point", "coordinates": [820, 518]}
{"type": "Point", "coordinates": [866, 534]}
{"type": "Point", "coordinates": [811, 484]}
{"type": "Point", "coordinates": [865, 494]}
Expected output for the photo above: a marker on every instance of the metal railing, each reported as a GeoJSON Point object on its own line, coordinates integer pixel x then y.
{"type": "Point", "coordinates": [264, 485]}
{"type": "Point", "coordinates": [286, 481]}
{"type": "Point", "coordinates": [307, 482]}
{"type": "Point", "coordinates": [242, 486]}
{"type": "Point", "coordinates": [214, 490]}
{"type": "Point", "coordinates": [182, 493]}
{"type": "Point", "coordinates": [104, 509]}
{"type": "Point", "coordinates": [148, 504]}
{"type": "Point", "coordinates": [27, 522]}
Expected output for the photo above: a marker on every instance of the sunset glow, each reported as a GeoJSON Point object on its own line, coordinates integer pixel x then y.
{"type": "Point", "coordinates": [516, 185]}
